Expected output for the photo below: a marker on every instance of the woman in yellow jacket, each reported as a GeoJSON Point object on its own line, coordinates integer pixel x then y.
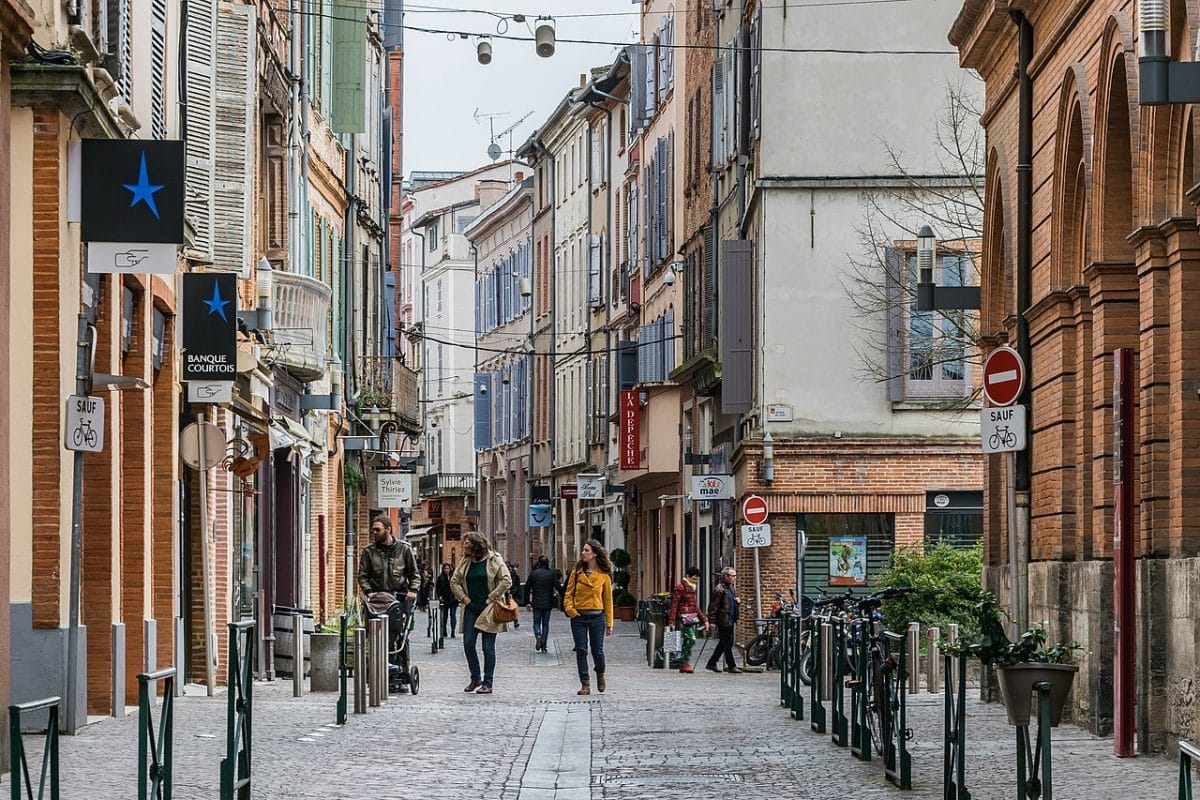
{"type": "Point", "coordinates": [588, 602]}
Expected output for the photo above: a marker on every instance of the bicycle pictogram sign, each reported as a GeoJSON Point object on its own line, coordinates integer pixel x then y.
{"type": "Point", "coordinates": [84, 428]}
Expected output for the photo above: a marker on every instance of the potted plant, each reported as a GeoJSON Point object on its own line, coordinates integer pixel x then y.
{"type": "Point", "coordinates": [624, 603]}
{"type": "Point", "coordinates": [1022, 664]}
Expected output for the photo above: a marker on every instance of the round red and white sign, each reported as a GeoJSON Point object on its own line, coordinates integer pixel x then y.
{"type": "Point", "coordinates": [754, 510]}
{"type": "Point", "coordinates": [1003, 376]}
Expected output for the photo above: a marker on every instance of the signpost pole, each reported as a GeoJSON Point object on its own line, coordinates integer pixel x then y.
{"type": "Point", "coordinates": [209, 677]}
{"type": "Point", "coordinates": [83, 380]}
{"type": "Point", "coordinates": [757, 585]}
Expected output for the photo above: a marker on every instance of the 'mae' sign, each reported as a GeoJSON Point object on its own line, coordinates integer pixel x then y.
{"type": "Point", "coordinates": [209, 326]}
{"type": "Point", "coordinates": [712, 487]}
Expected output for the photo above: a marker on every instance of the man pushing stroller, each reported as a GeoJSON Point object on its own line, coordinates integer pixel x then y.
{"type": "Point", "coordinates": [389, 579]}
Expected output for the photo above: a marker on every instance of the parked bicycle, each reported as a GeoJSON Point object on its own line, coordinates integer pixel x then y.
{"type": "Point", "coordinates": [764, 647]}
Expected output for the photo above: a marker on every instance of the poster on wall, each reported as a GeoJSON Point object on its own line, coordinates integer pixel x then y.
{"type": "Point", "coordinates": [848, 561]}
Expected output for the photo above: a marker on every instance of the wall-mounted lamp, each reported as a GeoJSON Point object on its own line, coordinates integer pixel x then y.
{"type": "Point", "coordinates": [260, 318]}
{"type": "Point", "coordinates": [1162, 81]}
{"type": "Point", "coordinates": [768, 458]}
{"type": "Point", "coordinates": [938, 298]}
{"type": "Point", "coordinates": [325, 402]}
{"type": "Point", "coordinates": [525, 287]}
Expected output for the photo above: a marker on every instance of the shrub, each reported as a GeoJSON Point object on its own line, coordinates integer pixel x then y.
{"type": "Point", "coordinates": [623, 598]}
{"type": "Point", "coordinates": [947, 584]}
{"type": "Point", "coordinates": [619, 558]}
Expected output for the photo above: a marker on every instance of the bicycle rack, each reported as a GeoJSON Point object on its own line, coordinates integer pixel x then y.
{"type": "Point", "coordinates": [860, 732]}
{"type": "Point", "coordinates": [816, 658]}
{"type": "Point", "coordinates": [837, 691]}
{"type": "Point", "coordinates": [897, 761]}
{"type": "Point", "coordinates": [235, 767]}
{"type": "Point", "coordinates": [154, 752]}
{"type": "Point", "coordinates": [791, 629]}
{"type": "Point", "coordinates": [954, 752]}
{"type": "Point", "coordinates": [785, 656]}
{"type": "Point", "coordinates": [1030, 759]}
{"type": "Point", "coordinates": [343, 669]}
{"type": "Point", "coordinates": [19, 764]}
{"type": "Point", "coordinates": [1187, 753]}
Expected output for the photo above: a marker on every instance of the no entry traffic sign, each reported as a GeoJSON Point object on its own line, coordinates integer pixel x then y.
{"type": "Point", "coordinates": [754, 510]}
{"type": "Point", "coordinates": [1003, 376]}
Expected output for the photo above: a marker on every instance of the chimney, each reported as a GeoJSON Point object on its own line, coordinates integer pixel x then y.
{"type": "Point", "coordinates": [489, 191]}
{"type": "Point", "coordinates": [518, 176]}
{"type": "Point", "coordinates": [582, 80]}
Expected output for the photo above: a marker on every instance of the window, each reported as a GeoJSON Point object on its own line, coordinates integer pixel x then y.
{"type": "Point", "coordinates": [954, 518]}
{"type": "Point", "coordinates": [927, 349]}
{"type": "Point", "coordinates": [433, 237]}
{"type": "Point", "coordinates": [461, 223]}
{"type": "Point", "coordinates": [438, 287]}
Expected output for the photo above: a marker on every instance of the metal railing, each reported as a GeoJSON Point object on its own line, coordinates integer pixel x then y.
{"type": "Point", "coordinates": [440, 483]}
{"type": "Point", "coordinates": [1032, 758]}
{"type": "Point", "coordinates": [18, 762]}
{"type": "Point", "coordinates": [897, 761]}
{"type": "Point", "coordinates": [154, 752]}
{"type": "Point", "coordinates": [955, 745]}
{"type": "Point", "coordinates": [235, 767]}
{"type": "Point", "coordinates": [1188, 752]}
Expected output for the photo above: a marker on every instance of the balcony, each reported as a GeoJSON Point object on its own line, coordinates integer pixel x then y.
{"type": "Point", "coordinates": [301, 313]}
{"type": "Point", "coordinates": [447, 484]}
{"type": "Point", "coordinates": [404, 388]}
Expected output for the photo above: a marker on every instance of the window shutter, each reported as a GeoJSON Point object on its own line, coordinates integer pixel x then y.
{"type": "Point", "coordinates": [650, 97]}
{"type": "Point", "coordinates": [236, 115]}
{"type": "Point", "coordinates": [648, 215]}
{"type": "Point", "coordinates": [671, 49]}
{"type": "Point", "coordinates": [594, 166]}
{"type": "Point", "coordinates": [594, 288]}
{"type": "Point", "coordinates": [325, 65]}
{"type": "Point", "coordinates": [669, 191]}
{"type": "Point", "coordinates": [201, 132]}
{"type": "Point", "coordinates": [728, 119]}
{"type": "Point", "coordinates": [718, 110]}
{"type": "Point", "coordinates": [709, 293]}
{"type": "Point", "coordinates": [478, 311]}
{"type": "Point", "coordinates": [893, 272]}
{"type": "Point", "coordinates": [628, 355]}
{"type": "Point", "coordinates": [483, 410]}
{"type": "Point", "coordinates": [590, 403]}
{"type": "Point", "coordinates": [637, 87]}
{"type": "Point", "coordinates": [669, 342]}
{"type": "Point", "coordinates": [158, 68]}
{"type": "Point", "coordinates": [756, 74]}
{"type": "Point", "coordinates": [389, 311]}
{"type": "Point", "coordinates": [119, 56]}
{"type": "Point", "coordinates": [737, 330]}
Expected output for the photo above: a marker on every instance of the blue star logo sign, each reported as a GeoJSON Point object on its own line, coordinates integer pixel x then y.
{"type": "Point", "coordinates": [216, 305]}
{"type": "Point", "coordinates": [143, 191]}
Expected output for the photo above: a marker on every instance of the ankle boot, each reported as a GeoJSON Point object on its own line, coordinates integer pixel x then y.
{"type": "Point", "coordinates": [600, 684]}
{"type": "Point", "coordinates": [584, 687]}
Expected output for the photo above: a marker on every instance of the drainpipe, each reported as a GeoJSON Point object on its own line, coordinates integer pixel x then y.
{"type": "Point", "coordinates": [608, 263]}
{"type": "Point", "coordinates": [1019, 557]}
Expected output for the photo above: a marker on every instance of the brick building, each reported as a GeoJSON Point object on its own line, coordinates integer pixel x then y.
{"type": "Point", "coordinates": [1114, 244]}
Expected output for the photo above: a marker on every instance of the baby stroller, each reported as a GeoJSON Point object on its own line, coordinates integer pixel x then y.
{"type": "Point", "coordinates": [402, 676]}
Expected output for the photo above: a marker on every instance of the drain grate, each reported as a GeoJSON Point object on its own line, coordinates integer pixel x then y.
{"type": "Point", "coordinates": [658, 779]}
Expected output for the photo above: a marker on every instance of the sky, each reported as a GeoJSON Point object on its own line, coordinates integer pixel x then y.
{"type": "Point", "coordinates": [445, 86]}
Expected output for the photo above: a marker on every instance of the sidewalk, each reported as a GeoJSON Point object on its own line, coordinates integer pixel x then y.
{"type": "Point", "coordinates": [653, 734]}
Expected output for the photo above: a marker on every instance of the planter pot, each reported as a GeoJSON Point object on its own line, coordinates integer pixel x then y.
{"type": "Point", "coordinates": [1020, 699]}
{"type": "Point", "coordinates": [624, 613]}
{"type": "Point", "coordinates": [323, 662]}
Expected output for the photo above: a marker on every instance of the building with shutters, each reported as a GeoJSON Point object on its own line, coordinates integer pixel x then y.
{"type": "Point", "coordinates": [650, 464]}
{"type": "Point", "coordinates": [442, 206]}
{"type": "Point", "coordinates": [502, 240]}
{"type": "Point", "coordinates": [127, 498]}
{"type": "Point", "coordinates": [861, 464]}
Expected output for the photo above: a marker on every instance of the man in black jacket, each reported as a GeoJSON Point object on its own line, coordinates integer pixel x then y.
{"type": "Point", "coordinates": [723, 612]}
{"type": "Point", "coordinates": [540, 589]}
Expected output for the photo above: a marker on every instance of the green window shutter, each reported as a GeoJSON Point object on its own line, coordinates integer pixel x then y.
{"type": "Point", "coordinates": [348, 112]}
{"type": "Point", "coordinates": [331, 9]}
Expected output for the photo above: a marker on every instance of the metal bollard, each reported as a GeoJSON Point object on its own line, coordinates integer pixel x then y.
{"type": "Point", "coordinates": [914, 654]}
{"type": "Point", "coordinates": [651, 631]}
{"type": "Point", "coordinates": [827, 648]}
{"type": "Point", "coordinates": [933, 656]}
{"type": "Point", "coordinates": [373, 626]}
{"type": "Point", "coordinates": [297, 655]}
{"type": "Point", "coordinates": [360, 670]}
{"type": "Point", "coordinates": [385, 646]}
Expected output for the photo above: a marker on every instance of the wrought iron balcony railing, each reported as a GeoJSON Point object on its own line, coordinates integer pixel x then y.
{"type": "Point", "coordinates": [442, 484]}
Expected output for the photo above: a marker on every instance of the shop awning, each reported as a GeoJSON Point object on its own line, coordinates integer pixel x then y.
{"type": "Point", "coordinates": [420, 531]}
{"type": "Point", "coordinates": [286, 432]}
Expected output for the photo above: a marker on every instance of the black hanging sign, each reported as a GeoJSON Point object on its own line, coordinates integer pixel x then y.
{"type": "Point", "coordinates": [132, 190]}
{"type": "Point", "coordinates": [209, 326]}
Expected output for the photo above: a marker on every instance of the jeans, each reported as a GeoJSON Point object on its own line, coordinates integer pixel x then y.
{"type": "Point", "coordinates": [585, 630]}
{"type": "Point", "coordinates": [724, 647]}
{"type": "Point", "coordinates": [470, 634]}
{"type": "Point", "coordinates": [541, 623]}
{"type": "Point", "coordinates": [449, 613]}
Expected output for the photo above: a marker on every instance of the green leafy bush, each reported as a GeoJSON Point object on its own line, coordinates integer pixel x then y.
{"type": "Point", "coordinates": [623, 598]}
{"type": "Point", "coordinates": [947, 588]}
{"type": "Point", "coordinates": [619, 558]}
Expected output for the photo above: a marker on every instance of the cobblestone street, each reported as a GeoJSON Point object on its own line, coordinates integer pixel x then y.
{"type": "Point", "coordinates": [653, 734]}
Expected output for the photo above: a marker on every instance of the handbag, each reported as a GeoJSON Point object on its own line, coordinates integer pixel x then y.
{"type": "Point", "coordinates": [672, 641]}
{"type": "Point", "coordinates": [505, 609]}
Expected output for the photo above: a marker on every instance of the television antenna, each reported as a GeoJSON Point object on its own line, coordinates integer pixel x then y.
{"type": "Point", "coordinates": [494, 150]}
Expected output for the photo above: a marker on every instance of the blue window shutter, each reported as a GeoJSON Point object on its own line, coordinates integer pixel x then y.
{"type": "Point", "coordinates": [643, 354]}
{"type": "Point", "coordinates": [389, 310]}
{"type": "Point", "coordinates": [669, 341]}
{"type": "Point", "coordinates": [483, 410]}
{"type": "Point", "coordinates": [737, 327]}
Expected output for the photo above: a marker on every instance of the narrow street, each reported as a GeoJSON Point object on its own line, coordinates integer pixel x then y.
{"type": "Point", "coordinates": [653, 734]}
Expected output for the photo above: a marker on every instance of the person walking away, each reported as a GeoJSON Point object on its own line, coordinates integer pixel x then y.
{"type": "Point", "coordinates": [541, 589]}
{"type": "Point", "coordinates": [480, 580]}
{"type": "Point", "coordinates": [448, 601]}
{"type": "Point", "coordinates": [388, 568]}
{"type": "Point", "coordinates": [516, 587]}
{"type": "Point", "coordinates": [685, 612]}
{"type": "Point", "coordinates": [426, 590]}
{"type": "Point", "coordinates": [588, 602]}
{"type": "Point", "coordinates": [723, 612]}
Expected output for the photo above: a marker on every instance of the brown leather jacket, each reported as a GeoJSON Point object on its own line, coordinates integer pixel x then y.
{"type": "Point", "coordinates": [388, 569]}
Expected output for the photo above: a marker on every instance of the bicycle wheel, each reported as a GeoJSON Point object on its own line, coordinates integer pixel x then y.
{"type": "Point", "coordinates": [773, 656]}
{"type": "Point", "coordinates": [877, 718]}
{"type": "Point", "coordinates": [806, 663]}
{"type": "Point", "coordinates": [758, 650]}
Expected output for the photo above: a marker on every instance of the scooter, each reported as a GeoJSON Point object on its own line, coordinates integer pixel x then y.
{"type": "Point", "coordinates": [403, 677]}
